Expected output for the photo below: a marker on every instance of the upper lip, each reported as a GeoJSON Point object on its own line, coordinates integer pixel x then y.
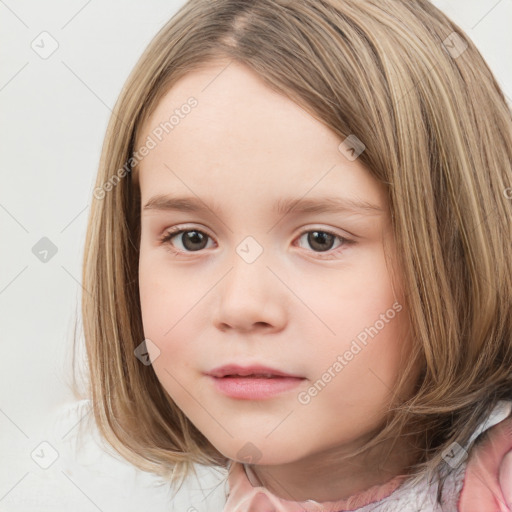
{"type": "Point", "coordinates": [235, 369]}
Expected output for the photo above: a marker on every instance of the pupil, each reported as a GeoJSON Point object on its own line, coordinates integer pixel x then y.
{"type": "Point", "coordinates": [317, 240]}
{"type": "Point", "coordinates": [193, 237]}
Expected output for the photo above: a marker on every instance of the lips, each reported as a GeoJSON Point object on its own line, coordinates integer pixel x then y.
{"type": "Point", "coordinates": [255, 382]}
{"type": "Point", "coordinates": [255, 371]}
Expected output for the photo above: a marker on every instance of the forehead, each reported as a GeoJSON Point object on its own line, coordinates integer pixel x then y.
{"type": "Point", "coordinates": [229, 96]}
{"type": "Point", "coordinates": [242, 131]}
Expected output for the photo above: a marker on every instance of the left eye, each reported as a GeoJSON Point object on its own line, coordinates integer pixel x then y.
{"type": "Point", "coordinates": [193, 240]}
{"type": "Point", "coordinates": [322, 241]}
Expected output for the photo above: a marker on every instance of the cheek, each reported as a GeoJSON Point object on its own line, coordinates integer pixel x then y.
{"type": "Point", "coordinates": [166, 294]}
{"type": "Point", "coordinates": [357, 378]}
{"type": "Point", "coordinates": [170, 302]}
{"type": "Point", "coordinates": [369, 324]}
{"type": "Point", "coordinates": [358, 299]}
{"type": "Point", "coordinates": [163, 301]}
{"type": "Point", "coordinates": [164, 322]}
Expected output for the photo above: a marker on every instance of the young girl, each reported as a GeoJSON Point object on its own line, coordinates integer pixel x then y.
{"type": "Point", "coordinates": [341, 338]}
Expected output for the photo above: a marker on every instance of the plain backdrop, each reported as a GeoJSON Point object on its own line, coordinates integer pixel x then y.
{"type": "Point", "coordinates": [54, 112]}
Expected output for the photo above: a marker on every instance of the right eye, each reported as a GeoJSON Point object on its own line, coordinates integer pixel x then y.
{"type": "Point", "coordinates": [191, 240]}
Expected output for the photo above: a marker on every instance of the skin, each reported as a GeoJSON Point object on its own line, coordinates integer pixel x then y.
{"type": "Point", "coordinates": [296, 308]}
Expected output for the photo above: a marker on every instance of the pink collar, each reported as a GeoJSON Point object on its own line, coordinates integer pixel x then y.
{"type": "Point", "coordinates": [488, 476]}
{"type": "Point", "coordinates": [487, 480]}
{"type": "Point", "coordinates": [243, 496]}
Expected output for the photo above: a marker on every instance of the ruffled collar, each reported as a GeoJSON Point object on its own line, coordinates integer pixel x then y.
{"type": "Point", "coordinates": [244, 496]}
{"type": "Point", "coordinates": [487, 479]}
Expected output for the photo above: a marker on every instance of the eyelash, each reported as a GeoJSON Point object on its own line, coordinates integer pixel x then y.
{"type": "Point", "coordinates": [173, 232]}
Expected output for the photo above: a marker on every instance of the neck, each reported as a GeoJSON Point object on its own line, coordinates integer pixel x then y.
{"type": "Point", "coordinates": [321, 477]}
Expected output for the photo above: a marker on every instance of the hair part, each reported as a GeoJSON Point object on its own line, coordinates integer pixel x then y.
{"type": "Point", "coordinates": [438, 134]}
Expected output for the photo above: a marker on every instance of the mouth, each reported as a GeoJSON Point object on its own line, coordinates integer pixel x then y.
{"type": "Point", "coordinates": [259, 372]}
{"type": "Point", "coordinates": [252, 383]}
{"type": "Point", "coordinates": [254, 376]}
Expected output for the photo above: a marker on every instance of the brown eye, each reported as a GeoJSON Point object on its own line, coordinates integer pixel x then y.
{"type": "Point", "coordinates": [191, 240]}
{"type": "Point", "coordinates": [322, 241]}
{"type": "Point", "coordinates": [181, 241]}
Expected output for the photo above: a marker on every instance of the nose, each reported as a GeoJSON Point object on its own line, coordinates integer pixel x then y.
{"type": "Point", "coordinates": [251, 298]}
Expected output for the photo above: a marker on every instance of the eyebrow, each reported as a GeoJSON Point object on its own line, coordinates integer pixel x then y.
{"type": "Point", "coordinates": [282, 206]}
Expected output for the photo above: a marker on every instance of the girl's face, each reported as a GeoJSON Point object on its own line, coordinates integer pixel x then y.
{"type": "Point", "coordinates": [253, 283]}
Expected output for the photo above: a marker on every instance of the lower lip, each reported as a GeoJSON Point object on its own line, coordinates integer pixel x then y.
{"type": "Point", "coordinates": [254, 388]}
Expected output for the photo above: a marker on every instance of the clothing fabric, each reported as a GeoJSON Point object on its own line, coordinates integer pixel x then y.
{"type": "Point", "coordinates": [478, 479]}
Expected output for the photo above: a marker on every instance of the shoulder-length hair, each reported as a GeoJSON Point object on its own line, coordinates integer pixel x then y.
{"type": "Point", "coordinates": [408, 83]}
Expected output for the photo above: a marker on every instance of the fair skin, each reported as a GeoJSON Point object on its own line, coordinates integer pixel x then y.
{"type": "Point", "coordinates": [295, 308]}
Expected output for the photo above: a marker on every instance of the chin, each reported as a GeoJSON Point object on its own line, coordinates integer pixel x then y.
{"type": "Point", "coordinates": [259, 453]}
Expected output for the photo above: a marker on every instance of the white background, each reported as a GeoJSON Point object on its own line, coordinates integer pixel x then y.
{"type": "Point", "coordinates": [54, 115]}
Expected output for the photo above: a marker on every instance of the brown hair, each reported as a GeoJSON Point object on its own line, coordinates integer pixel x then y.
{"type": "Point", "coordinates": [438, 132]}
